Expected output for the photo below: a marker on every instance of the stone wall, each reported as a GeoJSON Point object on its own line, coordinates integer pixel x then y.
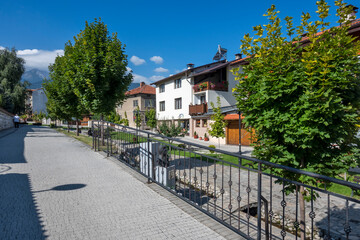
{"type": "Point", "coordinates": [6, 119]}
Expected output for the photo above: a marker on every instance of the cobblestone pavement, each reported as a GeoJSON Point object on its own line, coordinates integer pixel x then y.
{"type": "Point", "coordinates": [53, 187]}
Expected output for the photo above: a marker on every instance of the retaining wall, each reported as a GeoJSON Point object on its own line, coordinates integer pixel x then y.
{"type": "Point", "coordinates": [6, 119]}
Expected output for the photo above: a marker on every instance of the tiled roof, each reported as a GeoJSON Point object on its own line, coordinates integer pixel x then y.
{"type": "Point", "coordinates": [212, 69]}
{"type": "Point", "coordinates": [145, 89]}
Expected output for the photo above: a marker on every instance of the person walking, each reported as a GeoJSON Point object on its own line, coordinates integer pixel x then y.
{"type": "Point", "coordinates": [16, 121]}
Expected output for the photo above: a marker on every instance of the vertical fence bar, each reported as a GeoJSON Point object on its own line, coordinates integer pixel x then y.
{"type": "Point", "coordinates": [148, 156]}
{"type": "Point", "coordinates": [259, 203]}
{"type": "Point", "coordinates": [92, 133]}
{"type": "Point", "coordinates": [107, 139]}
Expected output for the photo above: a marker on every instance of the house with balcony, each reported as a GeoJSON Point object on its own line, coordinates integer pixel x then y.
{"type": "Point", "coordinates": [208, 85]}
{"type": "Point", "coordinates": [142, 98]}
{"type": "Point", "coordinates": [174, 95]}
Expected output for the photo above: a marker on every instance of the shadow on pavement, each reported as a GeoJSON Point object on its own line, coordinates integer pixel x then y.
{"type": "Point", "coordinates": [66, 187]}
{"type": "Point", "coordinates": [19, 217]}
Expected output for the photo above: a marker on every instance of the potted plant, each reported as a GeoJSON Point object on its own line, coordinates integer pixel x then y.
{"type": "Point", "coordinates": [200, 138]}
{"type": "Point", "coordinates": [206, 138]}
{"type": "Point", "coordinates": [195, 135]}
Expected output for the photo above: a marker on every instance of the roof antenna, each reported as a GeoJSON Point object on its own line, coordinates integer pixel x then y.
{"type": "Point", "coordinates": [221, 53]}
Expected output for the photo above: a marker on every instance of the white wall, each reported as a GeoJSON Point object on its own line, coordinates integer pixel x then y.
{"type": "Point", "coordinates": [169, 97]}
{"type": "Point", "coordinates": [39, 101]}
{"type": "Point", "coordinates": [226, 98]}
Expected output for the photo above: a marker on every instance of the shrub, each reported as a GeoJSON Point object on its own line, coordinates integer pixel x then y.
{"type": "Point", "coordinates": [212, 146]}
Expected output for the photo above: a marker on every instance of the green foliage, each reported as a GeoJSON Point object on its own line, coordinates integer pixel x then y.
{"type": "Point", "coordinates": [113, 117]}
{"type": "Point", "coordinates": [151, 118]}
{"type": "Point", "coordinates": [195, 133]}
{"type": "Point", "coordinates": [98, 63]}
{"type": "Point", "coordinates": [212, 146]}
{"type": "Point", "coordinates": [62, 104]}
{"type": "Point", "coordinates": [302, 99]}
{"type": "Point", "coordinates": [171, 131]}
{"type": "Point", "coordinates": [138, 119]}
{"type": "Point", "coordinates": [217, 127]}
{"type": "Point", "coordinates": [12, 90]}
{"type": "Point", "coordinates": [125, 120]}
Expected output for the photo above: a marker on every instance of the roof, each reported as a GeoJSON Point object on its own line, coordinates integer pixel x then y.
{"type": "Point", "coordinates": [233, 117]}
{"type": "Point", "coordinates": [188, 71]}
{"type": "Point", "coordinates": [227, 109]}
{"type": "Point", "coordinates": [144, 89]}
{"type": "Point", "coordinates": [209, 70]}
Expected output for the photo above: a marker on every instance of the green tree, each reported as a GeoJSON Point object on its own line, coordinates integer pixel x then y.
{"type": "Point", "coordinates": [63, 103]}
{"type": "Point", "coordinates": [138, 119]}
{"type": "Point", "coordinates": [302, 96]}
{"type": "Point", "coordinates": [217, 127]}
{"type": "Point", "coordinates": [99, 76]}
{"type": "Point", "coordinates": [171, 131]}
{"type": "Point", "coordinates": [12, 90]}
{"type": "Point", "coordinates": [125, 120]}
{"type": "Point", "coordinates": [151, 118]}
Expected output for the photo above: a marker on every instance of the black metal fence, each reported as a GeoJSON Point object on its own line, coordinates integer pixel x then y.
{"type": "Point", "coordinates": [236, 190]}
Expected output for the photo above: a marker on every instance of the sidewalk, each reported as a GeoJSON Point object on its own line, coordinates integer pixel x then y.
{"type": "Point", "coordinates": [54, 187]}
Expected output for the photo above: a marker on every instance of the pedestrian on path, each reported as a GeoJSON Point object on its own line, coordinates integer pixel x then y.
{"type": "Point", "coordinates": [16, 121]}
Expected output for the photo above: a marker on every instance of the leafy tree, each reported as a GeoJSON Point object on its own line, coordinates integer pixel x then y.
{"type": "Point", "coordinates": [113, 117]}
{"type": "Point", "coordinates": [12, 90]}
{"type": "Point", "coordinates": [125, 120]}
{"type": "Point", "coordinates": [171, 131]}
{"type": "Point", "coordinates": [63, 103]}
{"type": "Point", "coordinates": [217, 127]}
{"type": "Point", "coordinates": [151, 118]}
{"type": "Point", "coordinates": [302, 96]}
{"type": "Point", "coordinates": [99, 76]}
{"type": "Point", "coordinates": [138, 119]}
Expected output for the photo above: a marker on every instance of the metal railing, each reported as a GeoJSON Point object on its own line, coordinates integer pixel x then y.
{"type": "Point", "coordinates": [236, 190]}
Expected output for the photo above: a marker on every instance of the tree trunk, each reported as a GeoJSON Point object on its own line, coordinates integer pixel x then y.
{"type": "Point", "coordinates": [68, 126]}
{"type": "Point", "coordinates": [77, 127]}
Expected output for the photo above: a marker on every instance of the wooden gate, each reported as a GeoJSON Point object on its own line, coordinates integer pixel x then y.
{"type": "Point", "coordinates": [232, 134]}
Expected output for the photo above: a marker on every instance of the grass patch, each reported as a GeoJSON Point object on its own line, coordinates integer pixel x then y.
{"type": "Point", "coordinates": [85, 139]}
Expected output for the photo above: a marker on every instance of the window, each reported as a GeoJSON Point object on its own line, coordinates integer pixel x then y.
{"type": "Point", "coordinates": [204, 122]}
{"type": "Point", "coordinates": [162, 106]}
{"type": "Point", "coordinates": [177, 103]}
{"type": "Point", "coordinates": [135, 103]}
{"type": "Point", "coordinates": [197, 123]}
{"type": "Point", "coordinates": [202, 99]}
{"type": "Point", "coordinates": [149, 103]}
{"type": "Point", "coordinates": [162, 88]}
{"type": "Point", "coordinates": [178, 83]}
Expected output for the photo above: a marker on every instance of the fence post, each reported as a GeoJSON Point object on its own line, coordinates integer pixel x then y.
{"type": "Point", "coordinates": [107, 139]}
{"type": "Point", "coordinates": [92, 133]}
{"type": "Point", "coordinates": [148, 156]}
{"type": "Point", "coordinates": [259, 203]}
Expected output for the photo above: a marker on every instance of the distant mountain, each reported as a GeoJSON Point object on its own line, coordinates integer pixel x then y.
{"type": "Point", "coordinates": [133, 85]}
{"type": "Point", "coordinates": [35, 77]}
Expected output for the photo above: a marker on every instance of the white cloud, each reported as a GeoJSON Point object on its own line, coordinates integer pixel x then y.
{"type": "Point", "coordinates": [156, 78]}
{"type": "Point", "coordinates": [128, 70]}
{"type": "Point", "coordinates": [35, 58]}
{"type": "Point", "coordinates": [157, 59]}
{"type": "Point", "coordinates": [161, 69]}
{"type": "Point", "coordinates": [139, 78]}
{"type": "Point", "coordinates": [136, 60]}
{"type": "Point", "coordinates": [1, 48]}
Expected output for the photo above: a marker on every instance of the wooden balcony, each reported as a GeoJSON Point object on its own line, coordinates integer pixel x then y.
{"type": "Point", "coordinates": [222, 86]}
{"type": "Point", "coordinates": [198, 109]}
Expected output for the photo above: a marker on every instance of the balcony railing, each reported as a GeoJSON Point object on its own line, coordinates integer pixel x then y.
{"type": "Point", "coordinates": [220, 86]}
{"type": "Point", "coordinates": [198, 109]}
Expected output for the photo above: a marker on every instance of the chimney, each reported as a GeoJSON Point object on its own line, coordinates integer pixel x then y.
{"type": "Point", "coordinates": [352, 14]}
{"type": "Point", "coordinates": [190, 65]}
{"type": "Point", "coordinates": [238, 56]}
{"type": "Point", "coordinates": [142, 84]}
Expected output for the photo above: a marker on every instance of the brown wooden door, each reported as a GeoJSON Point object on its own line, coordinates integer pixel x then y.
{"type": "Point", "coordinates": [233, 134]}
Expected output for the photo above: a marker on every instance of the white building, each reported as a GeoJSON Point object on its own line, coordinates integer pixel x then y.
{"type": "Point", "coordinates": [36, 101]}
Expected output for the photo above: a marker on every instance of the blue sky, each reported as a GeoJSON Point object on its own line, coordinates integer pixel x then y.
{"type": "Point", "coordinates": [175, 32]}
